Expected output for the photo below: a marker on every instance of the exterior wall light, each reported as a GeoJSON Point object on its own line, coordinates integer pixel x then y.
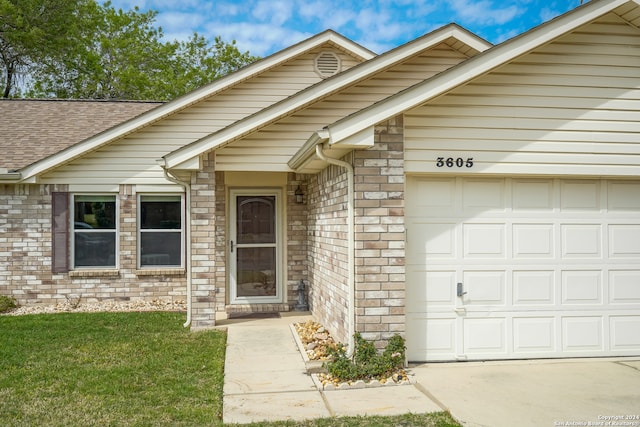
{"type": "Point", "coordinates": [299, 195]}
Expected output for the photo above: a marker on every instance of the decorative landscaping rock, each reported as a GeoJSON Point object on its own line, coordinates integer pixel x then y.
{"type": "Point", "coordinates": [314, 343]}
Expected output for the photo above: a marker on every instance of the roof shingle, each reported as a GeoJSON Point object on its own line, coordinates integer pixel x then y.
{"type": "Point", "coordinates": [33, 129]}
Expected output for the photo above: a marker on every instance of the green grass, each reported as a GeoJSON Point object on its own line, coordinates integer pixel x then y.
{"type": "Point", "coordinates": [126, 369]}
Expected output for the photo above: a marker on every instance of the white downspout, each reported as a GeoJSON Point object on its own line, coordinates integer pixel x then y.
{"type": "Point", "coordinates": [350, 245]}
{"type": "Point", "coordinates": [187, 225]}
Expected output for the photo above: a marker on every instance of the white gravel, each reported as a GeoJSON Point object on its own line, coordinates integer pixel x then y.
{"type": "Point", "coordinates": [69, 306]}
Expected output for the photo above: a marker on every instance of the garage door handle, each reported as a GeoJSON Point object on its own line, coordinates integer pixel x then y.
{"type": "Point", "coordinates": [460, 290]}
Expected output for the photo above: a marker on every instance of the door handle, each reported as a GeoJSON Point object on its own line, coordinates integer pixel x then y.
{"type": "Point", "coordinates": [231, 244]}
{"type": "Point", "coordinates": [460, 289]}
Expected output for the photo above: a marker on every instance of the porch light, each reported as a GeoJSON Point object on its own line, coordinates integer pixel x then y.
{"type": "Point", "coordinates": [299, 195]}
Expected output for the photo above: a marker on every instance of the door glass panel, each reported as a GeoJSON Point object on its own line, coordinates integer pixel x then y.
{"type": "Point", "coordinates": [255, 221]}
{"type": "Point", "coordinates": [256, 272]}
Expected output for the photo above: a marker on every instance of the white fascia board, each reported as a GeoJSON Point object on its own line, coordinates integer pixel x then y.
{"type": "Point", "coordinates": [470, 69]}
{"type": "Point", "coordinates": [319, 90]}
{"type": "Point", "coordinates": [184, 101]}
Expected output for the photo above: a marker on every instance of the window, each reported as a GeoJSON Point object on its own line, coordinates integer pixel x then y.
{"type": "Point", "coordinates": [161, 231]}
{"type": "Point", "coordinates": [94, 231]}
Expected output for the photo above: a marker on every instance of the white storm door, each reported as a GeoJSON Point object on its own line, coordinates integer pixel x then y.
{"type": "Point", "coordinates": [254, 247]}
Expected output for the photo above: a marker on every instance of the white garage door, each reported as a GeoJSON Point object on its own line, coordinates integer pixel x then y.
{"type": "Point", "coordinates": [546, 267]}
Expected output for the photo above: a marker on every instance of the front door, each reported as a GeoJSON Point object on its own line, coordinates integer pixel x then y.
{"type": "Point", "coordinates": [254, 247]}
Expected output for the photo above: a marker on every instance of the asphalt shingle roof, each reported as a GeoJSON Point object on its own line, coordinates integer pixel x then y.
{"type": "Point", "coordinates": [33, 129]}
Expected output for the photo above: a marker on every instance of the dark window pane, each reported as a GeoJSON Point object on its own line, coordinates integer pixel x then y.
{"type": "Point", "coordinates": [95, 212]}
{"type": "Point", "coordinates": [160, 249]}
{"type": "Point", "coordinates": [95, 249]}
{"type": "Point", "coordinates": [256, 272]}
{"type": "Point", "coordinates": [161, 212]}
{"type": "Point", "coordinates": [256, 219]}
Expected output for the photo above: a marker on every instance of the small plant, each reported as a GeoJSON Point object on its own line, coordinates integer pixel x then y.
{"type": "Point", "coordinates": [366, 363]}
{"type": "Point", "coordinates": [7, 303]}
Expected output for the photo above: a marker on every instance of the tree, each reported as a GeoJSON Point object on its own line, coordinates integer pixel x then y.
{"type": "Point", "coordinates": [116, 54]}
{"type": "Point", "coordinates": [30, 30]}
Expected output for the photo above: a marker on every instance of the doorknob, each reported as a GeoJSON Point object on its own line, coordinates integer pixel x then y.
{"type": "Point", "coordinates": [460, 290]}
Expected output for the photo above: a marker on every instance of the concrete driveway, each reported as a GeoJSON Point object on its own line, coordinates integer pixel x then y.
{"type": "Point", "coordinates": [576, 392]}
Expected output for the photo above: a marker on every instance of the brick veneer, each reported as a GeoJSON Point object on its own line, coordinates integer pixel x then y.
{"type": "Point", "coordinates": [25, 255]}
{"type": "Point", "coordinates": [379, 240]}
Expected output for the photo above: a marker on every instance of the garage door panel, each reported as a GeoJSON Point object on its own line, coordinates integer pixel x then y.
{"type": "Point", "coordinates": [624, 197]}
{"type": "Point", "coordinates": [435, 335]}
{"type": "Point", "coordinates": [484, 287]}
{"type": "Point", "coordinates": [582, 334]}
{"type": "Point", "coordinates": [533, 241]}
{"type": "Point", "coordinates": [484, 336]}
{"type": "Point", "coordinates": [624, 287]}
{"type": "Point", "coordinates": [436, 288]}
{"type": "Point", "coordinates": [581, 240]}
{"type": "Point", "coordinates": [550, 267]}
{"type": "Point", "coordinates": [580, 195]}
{"type": "Point", "coordinates": [624, 241]}
{"type": "Point", "coordinates": [582, 287]}
{"type": "Point", "coordinates": [624, 332]}
{"type": "Point", "coordinates": [483, 195]}
{"type": "Point", "coordinates": [532, 195]}
{"type": "Point", "coordinates": [533, 288]}
{"type": "Point", "coordinates": [436, 240]}
{"type": "Point", "coordinates": [534, 335]}
{"type": "Point", "coordinates": [484, 241]}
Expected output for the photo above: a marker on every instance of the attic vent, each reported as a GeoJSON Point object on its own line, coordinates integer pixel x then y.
{"type": "Point", "coordinates": [327, 64]}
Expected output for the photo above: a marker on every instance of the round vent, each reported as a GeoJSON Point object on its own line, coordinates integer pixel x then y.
{"type": "Point", "coordinates": [327, 64]}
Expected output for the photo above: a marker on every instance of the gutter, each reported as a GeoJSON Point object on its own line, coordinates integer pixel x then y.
{"type": "Point", "coordinates": [187, 225]}
{"type": "Point", "coordinates": [351, 283]}
{"type": "Point", "coordinates": [10, 176]}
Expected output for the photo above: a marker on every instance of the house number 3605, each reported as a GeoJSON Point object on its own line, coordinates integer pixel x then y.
{"type": "Point", "coordinates": [458, 162]}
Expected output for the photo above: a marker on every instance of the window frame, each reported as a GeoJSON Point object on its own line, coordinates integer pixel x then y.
{"type": "Point", "coordinates": [73, 230]}
{"type": "Point", "coordinates": [140, 231]}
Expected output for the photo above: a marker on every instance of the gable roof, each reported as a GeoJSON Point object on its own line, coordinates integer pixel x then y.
{"type": "Point", "coordinates": [455, 36]}
{"type": "Point", "coordinates": [32, 129]}
{"type": "Point", "coordinates": [70, 152]}
{"type": "Point", "coordinates": [341, 130]}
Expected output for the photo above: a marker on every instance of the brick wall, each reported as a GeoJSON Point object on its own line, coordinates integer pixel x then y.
{"type": "Point", "coordinates": [379, 240]}
{"type": "Point", "coordinates": [380, 269]}
{"type": "Point", "coordinates": [327, 253]}
{"type": "Point", "coordinates": [25, 255]}
{"type": "Point", "coordinates": [203, 245]}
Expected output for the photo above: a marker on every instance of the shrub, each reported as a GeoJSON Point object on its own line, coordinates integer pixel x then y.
{"type": "Point", "coordinates": [366, 363]}
{"type": "Point", "coordinates": [7, 303]}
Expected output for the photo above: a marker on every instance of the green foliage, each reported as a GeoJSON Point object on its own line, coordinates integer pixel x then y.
{"type": "Point", "coordinates": [115, 54]}
{"type": "Point", "coordinates": [367, 363]}
{"type": "Point", "coordinates": [7, 303]}
{"type": "Point", "coordinates": [109, 369]}
{"type": "Point", "coordinates": [30, 32]}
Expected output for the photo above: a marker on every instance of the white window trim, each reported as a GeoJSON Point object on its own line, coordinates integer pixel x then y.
{"type": "Point", "coordinates": [139, 232]}
{"type": "Point", "coordinates": [72, 228]}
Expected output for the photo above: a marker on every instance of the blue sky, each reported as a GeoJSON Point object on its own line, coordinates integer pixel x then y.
{"type": "Point", "coordinates": [263, 27]}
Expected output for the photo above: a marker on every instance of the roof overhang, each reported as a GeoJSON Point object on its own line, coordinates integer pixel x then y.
{"type": "Point", "coordinates": [480, 65]}
{"type": "Point", "coordinates": [306, 161]}
{"type": "Point", "coordinates": [460, 38]}
{"type": "Point", "coordinates": [126, 128]}
{"type": "Point", "coordinates": [6, 176]}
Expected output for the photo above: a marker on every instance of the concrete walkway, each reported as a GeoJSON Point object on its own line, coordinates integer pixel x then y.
{"type": "Point", "coordinates": [266, 380]}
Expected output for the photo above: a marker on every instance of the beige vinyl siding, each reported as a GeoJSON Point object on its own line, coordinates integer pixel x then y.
{"type": "Point", "coordinates": [570, 107]}
{"type": "Point", "coordinates": [132, 160]}
{"type": "Point", "coordinates": [271, 148]}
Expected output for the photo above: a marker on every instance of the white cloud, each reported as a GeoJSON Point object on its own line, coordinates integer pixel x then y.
{"type": "Point", "coordinates": [276, 12]}
{"type": "Point", "coordinates": [484, 12]}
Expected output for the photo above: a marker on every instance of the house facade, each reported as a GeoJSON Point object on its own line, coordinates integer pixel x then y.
{"type": "Point", "coordinates": [482, 201]}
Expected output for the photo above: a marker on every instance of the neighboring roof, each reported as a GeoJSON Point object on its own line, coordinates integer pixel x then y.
{"type": "Point", "coordinates": [119, 131]}
{"type": "Point", "coordinates": [479, 65]}
{"type": "Point", "coordinates": [457, 37]}
{"type": "Point", "coordinates": [32, 129]}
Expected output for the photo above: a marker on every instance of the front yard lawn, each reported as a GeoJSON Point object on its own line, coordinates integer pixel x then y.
{"type": "Point", "coordinates": [125, 369]}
